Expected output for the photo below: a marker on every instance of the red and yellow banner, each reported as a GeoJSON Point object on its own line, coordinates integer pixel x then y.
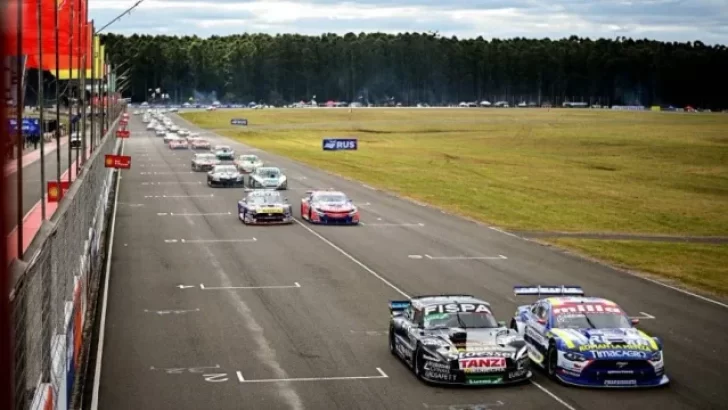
{"type": "Point", "coordinates": [117, 161]}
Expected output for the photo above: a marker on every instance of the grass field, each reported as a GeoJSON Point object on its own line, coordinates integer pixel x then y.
{"type": "Point", "coordinates": [542, 170]}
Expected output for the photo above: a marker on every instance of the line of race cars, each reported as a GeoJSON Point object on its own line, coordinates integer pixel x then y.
{"type": "Point", "coordinates": [263, 203]}
{"type": "Point", "coordinates": [455, 339]}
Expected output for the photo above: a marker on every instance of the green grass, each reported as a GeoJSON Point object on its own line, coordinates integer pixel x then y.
{"type": "Point", "coordinates": [530, 169]}
{"type": "Point", "coordinates": [696, 265]}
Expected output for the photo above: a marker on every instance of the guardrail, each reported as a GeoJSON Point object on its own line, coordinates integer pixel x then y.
{"type": "Point", "coordinates": [54, 288]}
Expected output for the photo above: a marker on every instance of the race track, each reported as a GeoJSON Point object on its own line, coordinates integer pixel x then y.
{"type": "Point", "coordinates": [206, 313]}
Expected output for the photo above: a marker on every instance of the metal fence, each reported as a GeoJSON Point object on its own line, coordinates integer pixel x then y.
{"type": "Point", "coordinates": [54, 288]}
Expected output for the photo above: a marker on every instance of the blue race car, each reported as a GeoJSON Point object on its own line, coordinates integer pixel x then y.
{"type": "Point", "coordinates": [587, 341]}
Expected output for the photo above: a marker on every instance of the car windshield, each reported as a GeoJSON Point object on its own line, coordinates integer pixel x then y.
{"type": "Point", "coordinates": [590, 316]}
{"type": "Point", "coordinates": [465, 320]}
{"type": "Point", "coordinates": [225, 168]}
{"type": "Point", "coordinates": [265, 199]}
{"type": "Point", "coordinates": [269, 172]}
{"type": "Point", "coordinates": [249, 158]}
{"type": "Point", "coordinates": [331, 198]}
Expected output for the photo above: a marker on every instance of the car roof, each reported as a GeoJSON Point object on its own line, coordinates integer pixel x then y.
{"type": "Point", "coordinates": [565, 300]}
{"type": "Point", "coordinates": [429, 300]}
{"type": "Point", "coordinates": [323, 192]}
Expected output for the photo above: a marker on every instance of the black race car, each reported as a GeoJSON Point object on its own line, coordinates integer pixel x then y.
{"type": "Point", "coordinates": [454, 339]}
{"type": "Point", "coordinates": [225, 176]}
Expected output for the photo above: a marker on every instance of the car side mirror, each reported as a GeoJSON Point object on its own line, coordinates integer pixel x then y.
{"type": "Point", "coordinates": [285, 200]}
{"type": "Point", "coordinates": [635, 321]}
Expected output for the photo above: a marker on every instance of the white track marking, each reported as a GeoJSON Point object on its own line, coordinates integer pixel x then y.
{"type": "Point", "coordinates": [353, 259]}
{"type": "Point", "coordinates": [461, 258]}
{"type": "Point", "coordinates": [381, 375]}
{"type": "Point", "coordinates": [295, 285]}
{"type": "Point", "coordinates": [216, 240]}
{"type": "Point", "coordinates": [553, 396]}
{"type": "Point", "coordinates": [504, 232]}
{"type": "Point", "coordinates": [105, 298]}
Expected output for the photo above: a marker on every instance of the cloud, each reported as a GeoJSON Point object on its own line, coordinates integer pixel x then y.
{"type": "Point", "coordinates": [667, 20]}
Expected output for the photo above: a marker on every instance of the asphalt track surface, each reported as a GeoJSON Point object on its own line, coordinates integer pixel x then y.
{"type": "Point", "coordinates": [31, 184]}
{"type": "Point", "coordinates": [316, 338]}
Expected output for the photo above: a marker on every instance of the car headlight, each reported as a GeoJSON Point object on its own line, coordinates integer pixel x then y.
{"type": "Point", "coordinates": [574, 357]}
{"type": "Point", "coordinates": [319, 211]}
{"type": "Point", "coordinates": [656, 357]}
{"type": "Point", "coordinates": [216, 178]}
{"type": "Point", "coordinates": [353, 211]}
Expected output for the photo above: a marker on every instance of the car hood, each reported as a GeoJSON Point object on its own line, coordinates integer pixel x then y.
{"type": "Point", "coordinates": [268, 181]}
{"type": "Point", "coordinates": [270, 208]}
{"type": "Point", "coordinates": [226, 174]}
{"type": "Point", "coordinates": [333, 206]}
{"type": "Point", "coordinates": [500, 342]}
{"type": "Point", "coordinates": [596, 340]}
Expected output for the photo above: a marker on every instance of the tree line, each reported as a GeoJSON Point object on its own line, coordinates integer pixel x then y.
{"type": "Point", "coordinates": [416, 68]}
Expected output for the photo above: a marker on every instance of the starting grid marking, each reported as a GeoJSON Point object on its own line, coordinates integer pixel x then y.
{"type": "Point", "coordinates": [171, 312]}
{"type": "Point", "coordinates": [210, 240]}
{"type": "Point", "coordinates": [212, 374]}
{"type": "Point", "coordinates": [457, 258]}
{"type": "Point", "coordinates": [474, 406]}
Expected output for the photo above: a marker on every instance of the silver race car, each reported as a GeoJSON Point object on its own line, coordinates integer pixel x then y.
{"type": "Point", "coordinates": [224, 152]}
{"type": "Point", "coordinates": [267, 178]}
{"type": "Point", "coordinates": [225, 176]}
{"type": "Point", "coordinates": [204, 162]}
{"type": "Point", "coordinates": [248, 163]}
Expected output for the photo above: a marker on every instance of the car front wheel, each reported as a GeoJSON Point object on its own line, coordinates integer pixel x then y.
{"type": "Point", "coordinates": [552, 358]}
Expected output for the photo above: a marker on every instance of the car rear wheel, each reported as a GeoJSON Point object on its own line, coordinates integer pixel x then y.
{"type": "Point", "coordinates": [392, 347]}
{"type": "Point", "coordinates": [552, 357]}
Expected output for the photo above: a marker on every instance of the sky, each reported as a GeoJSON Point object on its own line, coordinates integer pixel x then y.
{"type": "Point", "coordinates": [665, 20]}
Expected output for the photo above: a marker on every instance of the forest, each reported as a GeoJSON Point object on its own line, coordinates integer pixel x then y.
{"type": "Point", "coordinates": [427, 68]}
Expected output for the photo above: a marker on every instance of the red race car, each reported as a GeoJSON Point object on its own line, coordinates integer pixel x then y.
{"type": "Point", "coordinates": [329, 207]}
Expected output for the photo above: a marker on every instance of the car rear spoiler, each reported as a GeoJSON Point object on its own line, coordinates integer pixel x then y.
{"type": "Point", "coordinates": [539, 290]}
{"type": "Point", "coordinates": [398, 306]}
